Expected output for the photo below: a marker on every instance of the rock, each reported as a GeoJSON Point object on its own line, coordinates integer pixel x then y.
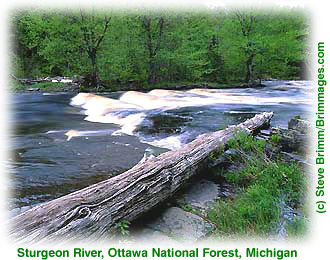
{"type": "Point", "coordinates": [265, 132]}
{"type": "Point", "coordinates": [225, 191]}
{"type": "Point", "coordinates": [201, 195]}
{"type": "Point", "coordinates": [292, 140]}
{"type": "Point", "coordinates": [287, 215]}
{"type": "Point", "coordinates": [223, 158]}
{"type": "Point", "coordinates": [297, 158]}
{"type": "Point", "coordinates": [33, 89]}
{"type": "Point", "coordinates": [181, 225]}
{"type": "Point", "coordinates": [300, 125]}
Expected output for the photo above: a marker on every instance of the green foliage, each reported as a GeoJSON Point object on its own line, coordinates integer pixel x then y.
{"type": "Point", "coordinates": [255, 212]}
{"type": "Point", "coordinates": [297, 226]}
{"type": "Point", "coordinates": [262, 185]}
{"type": "Point", "coordinates": [45, 86]}
{"type": "Point", "coordinates": [215, 154]}
{"type": "Point", "coordinates": [123, 227]}
{"type": "Point", "coordinates": [210, 46]}
{"type": "Point", "coordinates": [247, 143]}
{"type": "Point", "coordinates": [275, 138]}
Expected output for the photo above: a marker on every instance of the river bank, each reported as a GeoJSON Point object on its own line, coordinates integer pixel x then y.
{"type": "Point", "coordinates": [44, 87]}
{"type": "Point", "coordinates": [251, 188]}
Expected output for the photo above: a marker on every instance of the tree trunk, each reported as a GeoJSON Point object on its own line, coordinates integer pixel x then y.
{"type": "Point", "coordinates": [151, 45]}
{"type": "Point", "coordinates": [249, 67]}
{"type": "Point", "coordinates": [94, 76]}
{"type": "Point", "coordinates": [93, 211]}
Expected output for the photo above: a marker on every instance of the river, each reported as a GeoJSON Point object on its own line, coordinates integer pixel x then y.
{"type": "Point", "coordinates": [45, 163]}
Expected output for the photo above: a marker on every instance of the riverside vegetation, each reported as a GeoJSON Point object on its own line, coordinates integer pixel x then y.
{"type": "Point", "coordinates": [265, 195]}
{"type": "Point", "coordinates": [138, 49]}
{"type": "Point", "coordinates": [263, 181]}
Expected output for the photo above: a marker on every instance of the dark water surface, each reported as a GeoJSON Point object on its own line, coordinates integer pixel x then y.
{"type": "Point", "coordinates": [44, 165]}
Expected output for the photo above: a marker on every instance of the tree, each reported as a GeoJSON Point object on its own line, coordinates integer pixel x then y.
{"type": "Point", "coordinates": [247, 23]}
{"type": "Point", "coordinates": [30, 28]}
{"type": "Point", "coordinates": [145, 48]}
{"type": "Point", "coordinates": [153, 27]}
{"type": "Point", "coordinates": [94, 28]}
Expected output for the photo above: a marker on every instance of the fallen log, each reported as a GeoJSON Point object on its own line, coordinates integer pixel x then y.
{"type": "Point", "coordinates": [30, 81]}
{"type": "Point", "coordinates": [42, 80]}
{"type": "Point", "coordinates": [94, 211]}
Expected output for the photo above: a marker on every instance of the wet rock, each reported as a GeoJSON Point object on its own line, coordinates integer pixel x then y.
{"type": "Point", "coordinates": [298, 158]}
{"type": "Point", "coordinates": [260, 137]}
{"type": "Point", "coordinates": [33, 89]}
{"type": "Point", "coordinates": [226, 191]}
{"type": "Point", "coordinates": [201, 195]}
{"type": "Point", "coordinates": [164, 124]}
{"type": "Point", "coordinates": [223, 158]}
{"type": "Point", "coordinates": [265, 132]}
{"type": "Point", "coordinates": [292, 140]}
{"type": "Point", "coordinates": [299, 125]}
{"type": "Point", "coordinates": [181, 225]}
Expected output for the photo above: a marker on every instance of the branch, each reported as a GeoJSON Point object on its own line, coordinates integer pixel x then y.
{"type": "Point", "coordinates": [161, 25]}
{"type": "Point", "coordinates": [106, 26]}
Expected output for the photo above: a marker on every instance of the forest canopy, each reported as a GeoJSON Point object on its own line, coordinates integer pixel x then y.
{"type": "Point", "coordinates": [154, 47]}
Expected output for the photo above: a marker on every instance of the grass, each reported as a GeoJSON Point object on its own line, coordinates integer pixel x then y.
{"type": "Point", "coordinates": [275, 139]}
{"type": "Point", "coordinates": [214, 155]}
{"type": "Point", "coordinates": [262, 184]}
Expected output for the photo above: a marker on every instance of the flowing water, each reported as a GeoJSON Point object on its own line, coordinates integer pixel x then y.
{"type": "Point", "coordinates": [61, 144]}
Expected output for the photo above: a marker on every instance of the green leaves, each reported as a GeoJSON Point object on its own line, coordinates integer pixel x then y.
{"type": "Point", "coordinates": [263, 185]}
{"type": "Point", "coordinates": [123, 227]}
{"type": "Point", "coordinates": [212, 46]}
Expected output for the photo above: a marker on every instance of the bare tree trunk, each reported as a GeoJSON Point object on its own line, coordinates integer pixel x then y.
{"type": "Point", "coordinates": [93, 211]}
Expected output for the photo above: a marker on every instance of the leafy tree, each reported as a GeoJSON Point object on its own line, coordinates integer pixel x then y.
{"type": "Point", "coordinates": [139, 48]}
{"type": "Point", "coordinates": [29, 31]}
{"type": "Point", "coordinates": [153, 28]}
{"type": "Point", "coordinates": [93, 27]}
{"type": "Point", "coordinates": [247, 22]}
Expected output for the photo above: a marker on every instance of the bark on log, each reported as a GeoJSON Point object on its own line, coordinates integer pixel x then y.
{"type": "Point", "coordinates": [93, 211]}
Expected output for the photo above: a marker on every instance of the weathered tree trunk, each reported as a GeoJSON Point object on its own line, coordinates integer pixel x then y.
{"type": "Point", "coordinates": [93, 211]}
